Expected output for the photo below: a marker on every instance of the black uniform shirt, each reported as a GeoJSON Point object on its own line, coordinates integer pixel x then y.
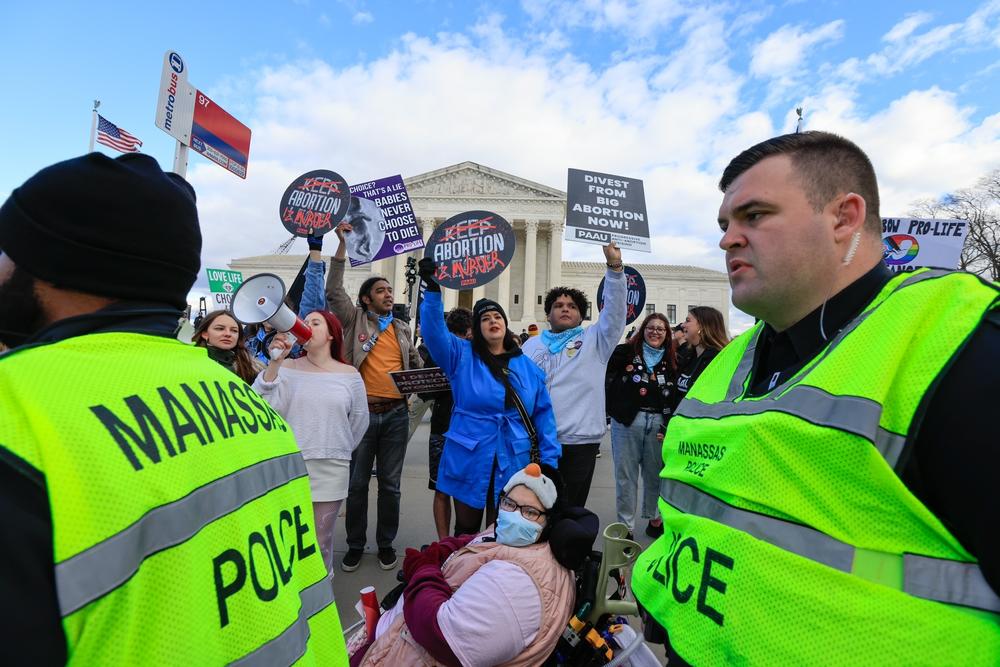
{"type": "Point", "coordinates": [952, 463]}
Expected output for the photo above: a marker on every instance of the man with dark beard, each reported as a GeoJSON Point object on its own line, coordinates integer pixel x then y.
{"type": "Point", "coordinates": [136, 474]}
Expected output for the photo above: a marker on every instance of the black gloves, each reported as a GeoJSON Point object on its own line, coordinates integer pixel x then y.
{"type": "Point", "coordinates": [315, 242]}
{"type": "Point", "coordinates": [426, 269]}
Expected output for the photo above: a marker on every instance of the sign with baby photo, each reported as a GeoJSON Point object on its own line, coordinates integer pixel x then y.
{"type": "Point", "coordinates": [382, 221]}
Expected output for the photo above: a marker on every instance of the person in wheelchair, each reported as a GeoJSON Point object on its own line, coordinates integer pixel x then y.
{"type": "Point", "coordinates": [501, 597]}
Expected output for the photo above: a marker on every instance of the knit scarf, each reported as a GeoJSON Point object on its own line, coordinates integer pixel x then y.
{"type": "Point", "coordinates": [652, 355]}
{"type": "Point", "coordinates": [556, 342]}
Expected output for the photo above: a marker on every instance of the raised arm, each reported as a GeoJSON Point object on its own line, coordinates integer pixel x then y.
{"type": "Point", "coordinates": [313, 297]}
{"type": "Point", "coordinates": [611, 322]}
{"type": "Point", "coordinates": [337, 299]}
{"type": "Point", "coordinates": [445, 348]}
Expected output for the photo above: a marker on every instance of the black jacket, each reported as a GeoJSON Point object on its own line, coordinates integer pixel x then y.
{"type": "Point", "coordinates": [689, 372]}
{"type": "Point", "coordinates": [629, 385]}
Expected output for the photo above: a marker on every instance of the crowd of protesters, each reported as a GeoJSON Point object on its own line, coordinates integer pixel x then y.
{"type": "Point", "coordinates": [511, 453]}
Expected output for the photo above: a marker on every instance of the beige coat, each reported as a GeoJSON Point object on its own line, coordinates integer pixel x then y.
{"type": "Point", "coordinates": [359, 324]}
{"type": "Point", "coordinates": [397, 648]}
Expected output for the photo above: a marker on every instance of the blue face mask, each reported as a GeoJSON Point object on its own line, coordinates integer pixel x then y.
{"type": "Point", "coordinates": [516, 531]}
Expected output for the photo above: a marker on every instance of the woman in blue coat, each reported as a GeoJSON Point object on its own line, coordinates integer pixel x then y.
{"type": "Point", "coordinates": [487, 440]}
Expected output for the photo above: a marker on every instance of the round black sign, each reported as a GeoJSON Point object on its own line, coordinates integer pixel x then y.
{"type": "Point", "coordinates": [314, 203]}
{"type": "Point", "coordinates": [635, 295]}
{"type": "Point", "coordinates": [471, 249]}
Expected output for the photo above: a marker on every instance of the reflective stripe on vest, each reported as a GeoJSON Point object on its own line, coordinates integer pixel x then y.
{"type": "Point", "coordinates": [930, 578]}
{"type": "Point", "coordinates": [107, 565]}
{"type": "Point", "coordinates": [290, 645]}
{"type": "Point", "coordinates": [853, 414]}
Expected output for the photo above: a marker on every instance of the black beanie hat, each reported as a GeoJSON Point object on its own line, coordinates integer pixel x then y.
{"type": "Point", "coordinates": [119, 228]}
{"type": "Point", "coordinates": [485, 306]}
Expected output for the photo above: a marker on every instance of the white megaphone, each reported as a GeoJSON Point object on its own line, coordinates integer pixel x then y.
{"type": "Point", "coordinates": [262, 299]}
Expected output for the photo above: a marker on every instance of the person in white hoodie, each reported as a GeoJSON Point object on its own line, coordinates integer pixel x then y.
{"type": "Point", "coordinates": [574, 361]}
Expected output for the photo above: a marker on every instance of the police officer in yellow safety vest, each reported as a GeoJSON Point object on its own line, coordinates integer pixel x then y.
{"type": "Point", "coordinates": [829, 490]}
{"type": "Point", "coordinates": [153, 509]}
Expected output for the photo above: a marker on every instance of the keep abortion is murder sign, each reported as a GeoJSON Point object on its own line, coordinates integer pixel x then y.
{"type": "Point", "coordinates": [601, 208]}
{"type": "Point", "coordinates": [912, 243]}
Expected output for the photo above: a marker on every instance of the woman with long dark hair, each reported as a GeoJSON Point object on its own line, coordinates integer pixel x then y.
{"type": "Point", "coordinates": [487, 440]}
{"type": "Point", "coordinates": [220, 334]}
{"type": "Point", "coordinates": [641, 382]}
{"type": "Point", "coordinates": [705, 333]}
{"type": "Point", "coordinates": [323, 399]}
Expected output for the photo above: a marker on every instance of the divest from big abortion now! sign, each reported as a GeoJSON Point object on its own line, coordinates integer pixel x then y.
{"type": "Point", "coordinates": [601, 208]}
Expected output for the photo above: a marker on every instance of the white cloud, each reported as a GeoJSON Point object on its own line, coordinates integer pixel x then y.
{"type": "Point", "coordinates": [362, 17]}
{"type": "Point", "coordinates": [532, 108]}
{"type": "Point", "coordinates": [905, 28]}
{"type": "Point", "coordinates": [785, 50]}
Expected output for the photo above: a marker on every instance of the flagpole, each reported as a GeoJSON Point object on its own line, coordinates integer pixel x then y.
{"type": "Point", "coordinates": [93, 125]}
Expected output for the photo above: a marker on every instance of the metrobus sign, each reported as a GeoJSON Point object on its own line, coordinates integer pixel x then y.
{"type": "Point", "coordinates": [194, 119]}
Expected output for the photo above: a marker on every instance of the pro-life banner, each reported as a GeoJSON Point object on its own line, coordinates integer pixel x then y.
{"type": "Point", "coordinates": [635, 295]}
{"type": "Point", "coordinates": [470, 249]}
{"type": "Point", "coordinates": [912, 243]}
{"type": "Point", "coordinates": [382, 220]}
{"type": "Point", "coordinates": [601, 208]}
{"type": "Point", "coordinates": [222, 283]}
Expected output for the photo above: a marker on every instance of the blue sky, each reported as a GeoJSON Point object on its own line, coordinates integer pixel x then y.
{"type": "Point", "coordinates": [663, 90]}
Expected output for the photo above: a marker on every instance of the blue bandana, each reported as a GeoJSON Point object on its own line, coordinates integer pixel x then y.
{"type": "Point", "coordinates": [556, 342]}
{"type": "Point", "coordinates": [384, 321]}
{"type": "Point", "coordinates": [651, 355]}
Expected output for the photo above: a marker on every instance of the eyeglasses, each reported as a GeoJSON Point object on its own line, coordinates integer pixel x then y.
{"type": "Point", "coordinates": [527, 511]}
{"type": "Point", "coordinates": [656, 330]}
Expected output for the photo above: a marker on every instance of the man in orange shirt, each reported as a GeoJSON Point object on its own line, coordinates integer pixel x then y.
{"type": "Point", "coordinates": [376, 344]}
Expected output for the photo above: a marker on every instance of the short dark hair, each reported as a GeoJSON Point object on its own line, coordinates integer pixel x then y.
{"type": "Point", "coordinates": [366, 288]}
{"type": "Point", "coordinates": [827, 165]}
{"type": "Point", "coordinates": [459, 321]}
{"type": "Point", "coordinates": [579, 298]}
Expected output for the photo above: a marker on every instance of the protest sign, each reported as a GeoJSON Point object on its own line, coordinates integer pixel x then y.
{"type": "Point", "coordinates": [911, 243]}
{"type": "Point", "coordinates": [222, 283]}
{"type": "Point", "coordinates": [382, 220]}
{"type": "Point", "coordinates": [601, 208]}
{"type": "Point", "coordinates": [314, 203]}
{"type": "Point", "coordinates": [471, 249]}
{"type": "Point", "coordinates": [635, 295]}
{"type": "Point", "coordinates": [420, 380]}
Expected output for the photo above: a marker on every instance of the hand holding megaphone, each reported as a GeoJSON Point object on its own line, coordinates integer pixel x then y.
{"type": "Point", "coordinates": [261, 299]}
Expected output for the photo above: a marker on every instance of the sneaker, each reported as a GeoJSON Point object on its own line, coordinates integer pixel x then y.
{"type": "Point", "coordinates": [387, 559]}
{"type": "Point", "coordinates": [654, 530]}
{"type": "Point", "coordinates": [352, 559]}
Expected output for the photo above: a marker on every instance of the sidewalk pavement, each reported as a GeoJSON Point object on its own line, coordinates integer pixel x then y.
{"type": "Point", "coordinates": [416, 525]}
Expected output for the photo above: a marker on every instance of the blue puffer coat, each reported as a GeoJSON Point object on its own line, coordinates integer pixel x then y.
{"type": "Point", "coordinates": [481, 428]}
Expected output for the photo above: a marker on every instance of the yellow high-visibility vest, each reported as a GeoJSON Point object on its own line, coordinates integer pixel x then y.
{"type": "Point", "coordinates": [182, 520]}
{"type": "Point", "coordinates": [789, 539]}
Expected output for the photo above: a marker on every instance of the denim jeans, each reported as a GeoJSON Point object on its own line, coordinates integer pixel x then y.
{"type": "Point", "coordinates": [636, 447]}
{"type": "Point", "coordinates": [384, 444]}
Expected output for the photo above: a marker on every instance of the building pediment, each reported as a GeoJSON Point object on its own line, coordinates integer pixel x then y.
{"type": "Point", "coordinates": [469, 180]}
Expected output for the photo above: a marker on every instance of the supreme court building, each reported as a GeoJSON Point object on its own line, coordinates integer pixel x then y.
{"type": "Point", "coordinates": [537, 212]}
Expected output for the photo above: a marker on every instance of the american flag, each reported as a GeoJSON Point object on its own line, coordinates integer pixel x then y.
{"type": "Point", "coordinates": [111, 135]}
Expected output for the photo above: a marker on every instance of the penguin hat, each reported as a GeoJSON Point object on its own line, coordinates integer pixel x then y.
{"type": "Point", "coordinates": [531, 476]}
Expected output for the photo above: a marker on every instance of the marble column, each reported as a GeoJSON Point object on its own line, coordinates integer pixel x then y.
{"type": "Point", "coordinates": [399, 278]}
{"type": "Point", "coordinates": [530, 238]}
{"type": "Point", "coordinates": [555, 253]}
{"type": "Point", "coordinates": [503, 292]}
{"type": "Point", "coordinates": [478, 293]}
